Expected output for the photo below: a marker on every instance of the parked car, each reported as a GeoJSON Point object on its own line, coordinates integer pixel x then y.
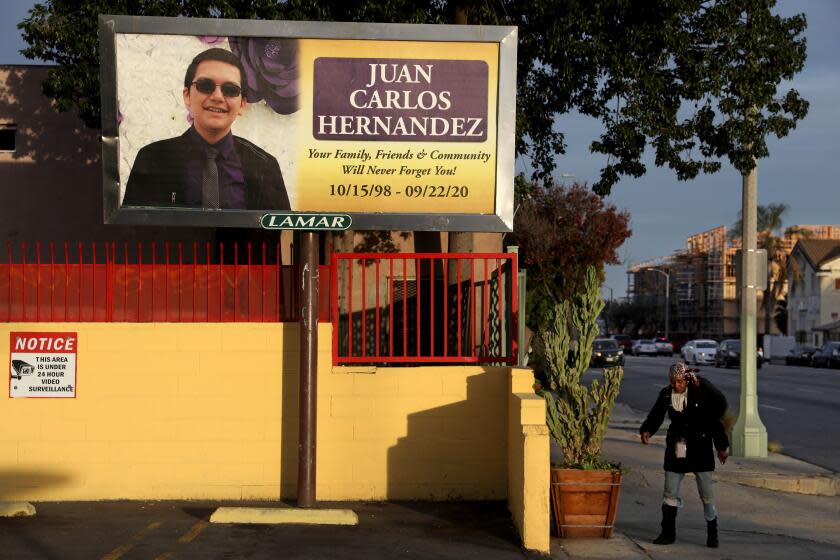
{"type": "Point", "coordinates": [663, 346]}
{"type": "Point", "coordinates": [644, 347]}
{"type": "Point", "coordinates": [606, 352]}
{"type": "Point", "coordinates": [828, 355]}
{"type": "Point", "coordinates": [729, 354]}
{"type": "Point", "coordinates": [800, 355]}
{"type": "Point", "coordinates": [699, 351]}
{"type": "Point", "coordinates": [624, 341]}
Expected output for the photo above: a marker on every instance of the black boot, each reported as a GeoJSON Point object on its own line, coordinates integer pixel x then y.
{"type": "Point", "coordinates": [711, 533]}
{"type": "Point", "coordinates": [669, 525]}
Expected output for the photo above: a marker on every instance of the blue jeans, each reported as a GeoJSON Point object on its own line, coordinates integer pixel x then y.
{"type": "Point", "coordinates": [705, 486]}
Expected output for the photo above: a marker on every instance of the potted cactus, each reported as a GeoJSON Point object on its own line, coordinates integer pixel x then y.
{"type": "Point", "coordinates": [584, 487]}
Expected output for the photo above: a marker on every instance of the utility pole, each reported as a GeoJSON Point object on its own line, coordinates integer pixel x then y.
{"type": "Point", "coordinates": [749, 436]}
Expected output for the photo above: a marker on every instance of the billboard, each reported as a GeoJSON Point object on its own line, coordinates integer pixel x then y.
{"type": "Point", "coordinates": [216, 122]}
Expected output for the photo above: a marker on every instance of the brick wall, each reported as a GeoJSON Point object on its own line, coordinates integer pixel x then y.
{"type": "Point", "coordinates": [209, 411]}
{"type": "Point", "coordinates": [528, 462]}
{"type": "Point", "coordinates": [413, 433]}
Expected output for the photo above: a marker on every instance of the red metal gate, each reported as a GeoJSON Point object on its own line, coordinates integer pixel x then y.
{"type": "Point", "coordinates": [424, 307]}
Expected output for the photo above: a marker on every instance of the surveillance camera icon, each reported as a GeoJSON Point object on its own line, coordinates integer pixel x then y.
{"type": "Point", "coordinates": [21, 368]}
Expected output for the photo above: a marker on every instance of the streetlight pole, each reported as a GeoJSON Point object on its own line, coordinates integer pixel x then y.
{"type": "Point", "coordinates": [749, 436]}
{"type": "Point", "coordinates": [667, 276]}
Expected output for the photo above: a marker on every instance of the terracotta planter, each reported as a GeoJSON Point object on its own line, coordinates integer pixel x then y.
{"type": "Point", "coordinates": [585, 502]}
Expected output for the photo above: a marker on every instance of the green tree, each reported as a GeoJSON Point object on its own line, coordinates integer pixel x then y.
{"type": "Point", "coordinates": [561, 233]}
{"type": "Point", "coordinates": [695, 80]}
{"type": "Point", "coordinates": [772, 236]}
{"type": "Point", "coordinates": [631, 317]}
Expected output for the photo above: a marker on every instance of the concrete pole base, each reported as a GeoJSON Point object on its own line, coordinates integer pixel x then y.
{"type": "Point", "coordinates": [16, 509]}
{"type": "Point", "coordinates": [749, 441]}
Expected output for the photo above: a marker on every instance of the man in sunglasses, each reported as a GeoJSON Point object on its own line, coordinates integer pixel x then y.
{"type": "Point", "coordinates": [207, 166]}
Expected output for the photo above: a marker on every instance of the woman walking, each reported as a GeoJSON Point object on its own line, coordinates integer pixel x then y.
{"type": "Point", "coordinates": [694, 407]}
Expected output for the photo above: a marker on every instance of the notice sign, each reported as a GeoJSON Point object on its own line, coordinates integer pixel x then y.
{"type": "Point", "coordinates": [42, 364]}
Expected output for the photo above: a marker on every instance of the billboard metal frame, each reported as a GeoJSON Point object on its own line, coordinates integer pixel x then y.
{"type": "Point", "coordinates": [505, 36]}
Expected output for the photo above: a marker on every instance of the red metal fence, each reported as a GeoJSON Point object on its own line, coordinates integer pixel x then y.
{"type": "Point", "coordinates": [386, 308]}
{"type": "Point", "coordinates": [424, 307]}
{"type": "Point", "coordinates": [110, 282]}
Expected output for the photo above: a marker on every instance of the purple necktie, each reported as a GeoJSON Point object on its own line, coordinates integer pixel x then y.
{"type": "Point", "coordinates": [210, 181]}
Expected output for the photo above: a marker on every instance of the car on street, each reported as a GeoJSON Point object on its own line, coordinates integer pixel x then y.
{"type": "Point", "coordinates": [663, 346]}
{"type": "Point", "coordinates": [606, 353]}
{"type": "Point", "coordinates": [729, 354]}
{"type": "Point", "coordinates": [624, 341]}
{"type": "Point", "coordinates": [644, 347]}
{"type": "Point", "coordinates": [701, 351]}
{"type": "Point", "coordinates": [800, 355]}
{"type": "Point", "coordinates": [827, 355]}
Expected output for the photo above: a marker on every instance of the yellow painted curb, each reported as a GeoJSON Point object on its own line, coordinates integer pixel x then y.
{"type": "Point", "coordinates": [16, 509]}
{"type": "Point", "coordinates": [275, 516]}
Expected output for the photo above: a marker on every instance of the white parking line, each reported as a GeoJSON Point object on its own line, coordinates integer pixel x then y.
{"type": "Point", "coordinates": [772, 407]}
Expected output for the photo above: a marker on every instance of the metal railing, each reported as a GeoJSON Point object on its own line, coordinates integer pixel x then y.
{"type": "Point", "coordinates": [385, 307]}
{"type": "Point", "coordinates": [178, 282]}
{"type": "Point", "coordinates": [424, 307]}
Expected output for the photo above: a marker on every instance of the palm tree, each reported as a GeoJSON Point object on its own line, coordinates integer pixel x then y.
{"type": "Point", "coordinates": [775, 241]}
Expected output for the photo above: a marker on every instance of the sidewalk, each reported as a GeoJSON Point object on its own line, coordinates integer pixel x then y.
{"type": "Point", "coordinates": [778, 507]}
{"type": "Point", "coordinates": [776, 472]}
{"type": "Point", "coordinates": [755, 522]}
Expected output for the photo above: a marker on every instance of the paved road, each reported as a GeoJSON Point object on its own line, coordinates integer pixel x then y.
{"type": "Point", "coordinates": [137, 530]}
{"type": "Point", "coordinates": [798, 405]}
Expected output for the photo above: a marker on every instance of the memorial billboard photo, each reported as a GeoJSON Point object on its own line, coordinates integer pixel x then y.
{"type": "Point", "coordinates": [216, 122]}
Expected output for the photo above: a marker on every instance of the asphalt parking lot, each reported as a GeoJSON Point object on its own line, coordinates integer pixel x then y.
{"type": "Point", "coordinates": [181, 530]}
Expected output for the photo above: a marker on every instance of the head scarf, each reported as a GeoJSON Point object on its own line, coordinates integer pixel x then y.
{"type": "Point", "coordinates": [679, 371]}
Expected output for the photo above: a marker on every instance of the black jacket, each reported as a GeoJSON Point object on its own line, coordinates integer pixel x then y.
{"type": "Point", "coordinates": [157, 176]}
{"type": "Point", "coordinates": [699, 423]}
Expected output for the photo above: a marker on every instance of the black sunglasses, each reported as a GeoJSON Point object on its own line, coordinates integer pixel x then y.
{"type": "Point", "coordinates": [208, 86]}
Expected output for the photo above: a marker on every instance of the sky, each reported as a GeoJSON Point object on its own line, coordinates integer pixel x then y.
{"type": "Point", "coordinates": [801, 170]}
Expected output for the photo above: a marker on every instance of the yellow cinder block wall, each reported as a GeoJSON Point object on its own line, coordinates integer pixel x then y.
{"type": "Point", "coordinates": [209, 411]}
{"type": "Point", "coordinates": [528, 462]}
{"type": "Point", "coordinates": [433, 433]}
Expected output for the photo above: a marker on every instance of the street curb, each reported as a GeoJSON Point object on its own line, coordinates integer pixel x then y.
{"type": "Point", "coordinates": [812, 485]}
{"type": "Point", "coordinates": [626, 425]}
{"type": "Point", "coordinates": [802, 483]}
{"type": "Point", "coordinates": [16, 509]}
{"type": "Point", "coordinates": [278, 516]}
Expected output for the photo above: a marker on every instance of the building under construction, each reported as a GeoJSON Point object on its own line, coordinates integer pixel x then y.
{"type": "Point", "coordinates": [702, 297]}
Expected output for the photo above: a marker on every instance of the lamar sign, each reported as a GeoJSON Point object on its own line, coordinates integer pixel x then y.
{"type": "Point", "coordinates": [318, 222]}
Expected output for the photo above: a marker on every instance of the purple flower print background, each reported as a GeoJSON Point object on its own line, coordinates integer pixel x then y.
{"type": "Point", "coordinates": [271, 71]}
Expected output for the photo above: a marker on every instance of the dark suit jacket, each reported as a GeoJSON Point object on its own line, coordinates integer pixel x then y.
{"type": "Point", "coordinates": [157, 177]}
{"type": "Point", "coordinates": [699, 424]}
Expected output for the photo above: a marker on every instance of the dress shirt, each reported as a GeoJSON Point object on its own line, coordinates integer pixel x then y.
{"type": "Point", "coordinates": [231, 176]}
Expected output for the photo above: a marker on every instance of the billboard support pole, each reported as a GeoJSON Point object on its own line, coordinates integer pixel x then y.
{"type": "Point", "coordinates": [308, 368]}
